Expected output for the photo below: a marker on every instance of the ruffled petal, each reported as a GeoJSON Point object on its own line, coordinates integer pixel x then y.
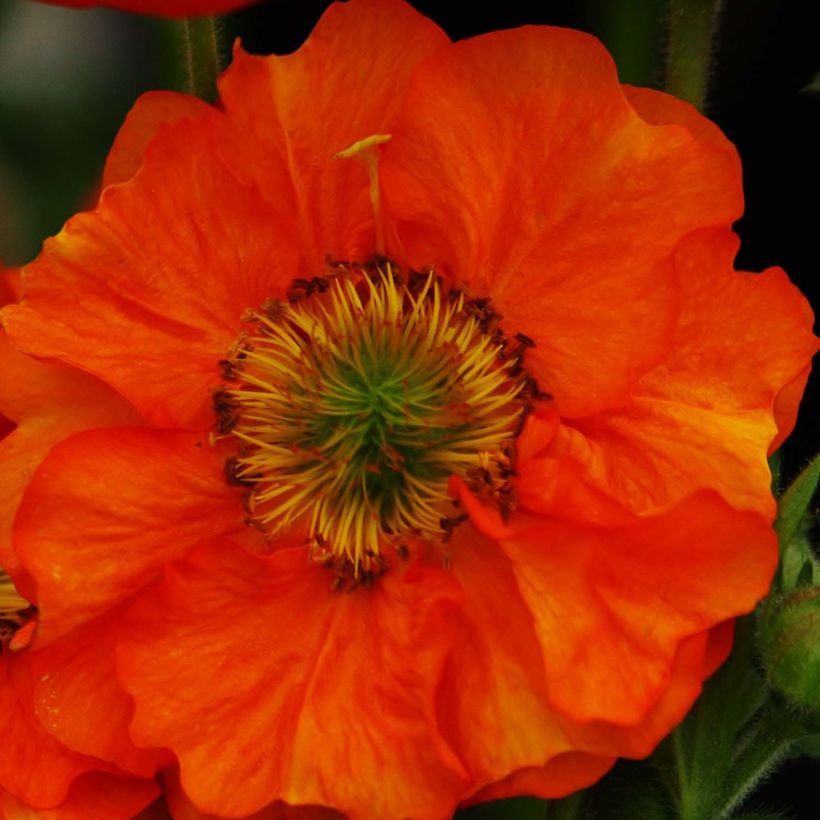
{"type": "Point", "coordinates": [151, 111]}
{"type": "Point", "coordinates": [95, 795]}
{"type": "Point", "coordinates": [79, 701]}
{"type": "Point", "coordinates": [786, 405]}
{"type": "Point", "coordinates": [344, 84]}
{"type": "Point", "coordinates": [705, 417]}
{"type": "Point", "coordinates": [611, 604]}
{"type": "Point", "coordinates": [658, 108]}
{"type": "Point", "coordinates": [182, 808]}
{"type": "Point", "coordinates": [34, 766]}
{"type": "Point", "coordinates": [147, 292]}
{"type": "Point", "coordinates": [547, 192]}
{"type": "Point", "coordinates": [105, 511]}
{"type": "Point", "coordinates": [493, 706]}
{"type": "Point", "coordinates": [686, 673]}
{"type": "Point", "coordinates": [49, 402]}
{"type": "Point", "coordinates": [563, 775]}
{"type": "Point", "coordinates": [262, 666]}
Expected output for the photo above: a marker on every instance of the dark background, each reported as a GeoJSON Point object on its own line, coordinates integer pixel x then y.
{"type": "Point", "coordinates": [67, 79]}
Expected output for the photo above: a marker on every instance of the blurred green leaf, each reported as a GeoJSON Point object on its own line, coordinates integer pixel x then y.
{"type": "Point", "coordinates": [517, 808]}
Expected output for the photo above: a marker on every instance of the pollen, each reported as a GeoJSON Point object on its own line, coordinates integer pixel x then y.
{"type": "Point", "coordinates": [353, 403]}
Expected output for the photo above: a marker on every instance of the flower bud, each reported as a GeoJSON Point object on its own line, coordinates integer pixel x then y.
{"type": "Point", "coordinates": [789, 642]}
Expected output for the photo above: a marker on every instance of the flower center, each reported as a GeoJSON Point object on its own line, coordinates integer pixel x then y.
{"type": "Point", "coordinates": [15, 613]}
{"type": "Point", "coordinates": [355, 402]}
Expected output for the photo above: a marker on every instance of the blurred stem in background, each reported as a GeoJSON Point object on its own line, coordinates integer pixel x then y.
{"type": "Point", "coordinates": [200, 46]}
{"type": "Point", "coordinates": [692, 28]}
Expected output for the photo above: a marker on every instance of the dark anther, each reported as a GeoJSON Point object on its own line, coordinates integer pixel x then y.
{"type": "Point", "coordinates": [227, 411]}
{"type": "Point", "coordinates": [227, 368]}
{"type": "Point", "coordinates": [449, 524]}
{"type": "Point", "coordinates": [232, 473]}
{"type": "Point", "coordinates": [525, 340]}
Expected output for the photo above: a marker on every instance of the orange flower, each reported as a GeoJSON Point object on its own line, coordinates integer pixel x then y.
{"type": "Point", "coordinates": [163, 8]}
{"type": "Point", "coordinates": [503, 457]}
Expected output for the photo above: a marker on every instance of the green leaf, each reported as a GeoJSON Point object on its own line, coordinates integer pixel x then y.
{"type": "Point", "coordinates": [795, 502]}
{"type": "Point", "coordinates": [702, 748]}
{"type": "Point", "coordinates": [770, 741]}
{"type": "Point", "coordinates": [806, 575]}
{"type": "Point", "coordinates": [808, 746]}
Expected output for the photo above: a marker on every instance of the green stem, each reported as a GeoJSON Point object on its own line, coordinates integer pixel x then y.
{"type": "Point", "coordinates": [692, 26]}
{"type": "Point", "coordinates": [201, 55]}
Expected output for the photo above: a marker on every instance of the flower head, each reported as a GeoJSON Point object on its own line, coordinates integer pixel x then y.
{"type": "Point", "coordinates": [429, 458]}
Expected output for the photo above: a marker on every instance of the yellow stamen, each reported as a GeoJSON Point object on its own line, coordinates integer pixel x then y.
{"type": "Point", "coordinates": [355, 402]}
{"type": "Point", "coordinates": [15, 611]}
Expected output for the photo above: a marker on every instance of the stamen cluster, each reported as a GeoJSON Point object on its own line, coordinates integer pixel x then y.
{"type": "Point", "coordinates": [15, 611]}
{"type": "Point", "coordinates": [356, 400]}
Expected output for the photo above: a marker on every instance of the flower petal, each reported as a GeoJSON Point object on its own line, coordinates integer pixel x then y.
{"type": "Point", "coordinates": [181, 808]}
{"type": "Point", "coordinates": [563, 775]}
{"type": "Point", "coordinates": [519, 167]}
{"type": "Point", "coordinates": [107, 508]}
{"type": "Point", "coordinates": [611, 604]}
{"type": "Point", "coordinates": [151, 303]}
{"type": "Point", "coordinates": [97, 794]}
{"type": "Point", "coordinates": [262, 666]}
{"type": "Point", "coordinates": [79, 701]}
{"type": "Point", "coordinates": [34, 766]}
{"type": "Point", "coordinates": [704, 417]}
{"type": "Point", "coordinates": [344, 84]}
{"type": "Point", "coordinates": [493, 705]}
{"type": "Point", "coordinates": [151, 111]}
{"type": "Point", "coordinates": [49, 401]}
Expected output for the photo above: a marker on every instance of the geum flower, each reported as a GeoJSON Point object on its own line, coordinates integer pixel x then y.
{"type": "Point", "coordinates": [450, 472]}
{"type": "Point", "coordinates": [39, 775]}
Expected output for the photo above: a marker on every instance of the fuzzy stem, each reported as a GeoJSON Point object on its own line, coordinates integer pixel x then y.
{"type": "Point", "coordinates": [692, 27]}
{"type": "Point", "coordinates": [201, 56]}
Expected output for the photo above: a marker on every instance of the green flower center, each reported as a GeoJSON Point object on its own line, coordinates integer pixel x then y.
{"type": "Point", "coordinates": [356, 401]}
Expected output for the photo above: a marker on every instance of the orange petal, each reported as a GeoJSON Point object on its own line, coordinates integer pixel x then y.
{"type": "Point", "coordinates": [611, 605]}
{"type": "Point", "coordinates": [287, 116]}
{"type": "Point", "coordinates": [79, 701]}
{"type": "Point", "coordinates": [519, 167]}
{"type": "Point", "coordinates": [34, 766]}
{"type": "Point", "coordinates": [262, 666]}
{"type": "Point", "coordinates": [147, 291]}
{"type": "Point", "coordinates": [49, 401]}
{"type": "Point", "coordinates": [786, 405]}
{"type": "Point", "coordinates": [659, 108]}
{"type": "Point", "coordinates": [493, 705]}
{"type": "Point", "coordinates": [704, 417]}
{"type": "Point", "coordinates": [182, 808]}
{"type": "Point", "coordinates": [686, 674]}
{"type": "Point", "coordinates": [150, 111]}
{"type": "Point", "coordinates": [563, 775]}
{"type": "Point", "coordinates": [96, 795]}
{"type": "Point", "coordinates": [107, 508]}
{"type": "Point", "coordinates": [718, 646]}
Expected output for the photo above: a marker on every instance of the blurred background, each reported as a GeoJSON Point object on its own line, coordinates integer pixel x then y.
{"type": "Point", "coordinates": [67, 79]}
